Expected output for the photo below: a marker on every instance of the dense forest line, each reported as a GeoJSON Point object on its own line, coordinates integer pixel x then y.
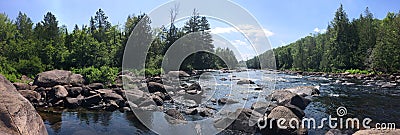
{"type": "Point", "coordinates": [363, 45]}
{"type": "Point", "coordinates": [95, 50]}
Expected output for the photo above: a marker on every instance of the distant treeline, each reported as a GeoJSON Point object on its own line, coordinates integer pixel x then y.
{"type": "Point", "coordinates": [365, 43]}
{"type": "Point", "coordinates": [27, 48]}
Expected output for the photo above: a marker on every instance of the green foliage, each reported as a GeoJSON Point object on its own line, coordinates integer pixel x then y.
{"type": "Point", "coordinates": [366, 44]}
{"type": "Point", "coordinates": [358, 71]}
{"type": "Point", "coordinates": [103, 74]}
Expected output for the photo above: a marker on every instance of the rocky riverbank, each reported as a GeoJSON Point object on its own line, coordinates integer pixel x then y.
{"type": "Point", "coordinates": [379, 80]}
{"type": "Point", "coordinates": [63, 89]}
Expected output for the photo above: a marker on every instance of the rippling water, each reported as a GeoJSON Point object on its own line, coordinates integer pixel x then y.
{"type": "Point", "coordinates": [381, 105]}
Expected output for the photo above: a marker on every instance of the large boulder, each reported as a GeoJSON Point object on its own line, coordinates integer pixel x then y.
{"type": "Point", "coordinates": [285, 97]}
{"type": "Point", "coordinates": [156, 87]}
{"type": "Point", "coordinates": [282, 112]}
{"type": "Point", "coordinates": [52, 78]}
{"type": "Point", "coordinates": [242, 119]}
{"type": "Point", "coordinates": [17, 115]}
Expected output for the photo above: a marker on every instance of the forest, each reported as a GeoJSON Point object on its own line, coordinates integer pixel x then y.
{"type": "Point", "coordinates": [96, 49]}
{"type": "Point", "coordinates": [362, 45]}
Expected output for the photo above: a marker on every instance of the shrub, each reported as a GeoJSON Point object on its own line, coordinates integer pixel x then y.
{"type": "Point", "coordinates": [103, 74]}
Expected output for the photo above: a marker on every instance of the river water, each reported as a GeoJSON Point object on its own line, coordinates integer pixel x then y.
{"type": "Point", "coordinates": [361, 101]}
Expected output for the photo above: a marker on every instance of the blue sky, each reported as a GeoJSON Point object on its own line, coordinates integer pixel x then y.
{"type": "Point", "coordinates": [283, 21]}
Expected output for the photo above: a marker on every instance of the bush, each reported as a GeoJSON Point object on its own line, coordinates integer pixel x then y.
{"type": "Point", "coordinates": [30, 67]}
{"type": "Point", "coordinates": [358, 71]}
{"type": "Point", "coordinates": [8, 71]}
{"type": "Point", "coordinates": [103, 74]}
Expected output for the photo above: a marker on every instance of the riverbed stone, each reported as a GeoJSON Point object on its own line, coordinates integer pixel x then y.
{"type": "Point", "coordinates": [175, 114]}
{"type": "Point", "coordinates": [96, 86]}
{"type": "Point", "coordinates": [245, 81]}
{"type": "Point", "coordinates": [74, 91]}
{"type": "Point", "coordinates": [22, 86]}
{"type": "Point", "coordinates": [32, 96]}
{"type": "Point", "coordinates": [17, 115]}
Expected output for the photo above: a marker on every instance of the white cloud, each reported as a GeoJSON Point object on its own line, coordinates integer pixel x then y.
{"type": "Point", "coordinates": [247, 29]}
{"type": "Point", "coordinates": [238, 42]}
{"type": "Point", "coordinates": [317, 30]}
{"type": "Point", "coordinates": [220, 30]}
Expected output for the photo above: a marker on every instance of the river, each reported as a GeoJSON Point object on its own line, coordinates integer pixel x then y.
{"type": "Point", "coordinates": [361, 101]}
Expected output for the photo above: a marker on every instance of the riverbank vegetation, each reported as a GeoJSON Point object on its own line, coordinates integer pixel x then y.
{"type": "Point", "coordinates": [95, 49]}
{"type": "Point", "coordinates": [362, 45]}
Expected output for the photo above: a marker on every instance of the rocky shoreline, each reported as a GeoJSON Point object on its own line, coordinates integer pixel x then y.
{"type": "Point", "coordinates": [379, 80]}
{"type": "Point", "coordinates": [63, 89]}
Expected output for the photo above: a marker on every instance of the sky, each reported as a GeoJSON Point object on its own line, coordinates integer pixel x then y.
{"type": "Point", "coordinates": [281, 22]}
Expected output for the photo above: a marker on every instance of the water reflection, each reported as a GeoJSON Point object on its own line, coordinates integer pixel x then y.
{"type": "Point", "coordinates": [82, 121]}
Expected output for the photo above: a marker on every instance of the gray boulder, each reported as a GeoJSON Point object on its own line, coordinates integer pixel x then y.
{"type": "Point", "coordinates": [284, 97]}
{"type": "Point", "coordinates": [52, 78]}
{"type": "Point", "coordinates": [17, 115]}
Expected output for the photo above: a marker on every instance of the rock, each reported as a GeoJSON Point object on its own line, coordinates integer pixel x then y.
{"type": "Point", "coordinates": [205, 112]}
{"type": "Point", "coordinates": [245, 81]}
{"type": "Point", "coordinates": [227, 101]}
{"type": "Point", "coordinates": [188, 103]}
{"type": "Point", "coordinates": [175, 114]}
{"type": "Point", "coordinates": [112, 96]}
{"type": "Point", "coordinates": [91, 100]}
{"type": "Point", "coordinates": [348, 83]}
{"type": "Point", "coordinates": [73, 102]}
{"type": "Point", "coordinates": [192, 111]}
{"type": "Point", "coordinates": [195, 86]}
{"type": "Point", "coordinates": [305, 90]}
{"type": "Point", "coordinates": [32, 96]}
{"type": "Point", "coordinates": [136, 96]}
{"type": "Point", "coordinates": [193, 92]}
{"type": "Point", "coordinates": [52, 78]}
{"type": "Point", "coordinates": [262, 107]}
{"type": "Point", "coordinates": [178, 74]}
{"type": "Point", "coordinates": [334, 132]}
{"type": "Point", "coordinates": [156, 87]}
{"type": "Point", "coordinates": [76, 80]}
{"type": "Point", "coordinates": [111, 106]}
{"type": "Point", "coordinates": [17, 115]}
{"type": "Point", "coordinates": [22, 86]}
{"type": "Point", "coordinates": [242, 119]}
{"type": "Point", "coordinates": [74, 91]}
{"type": "Point", "coordinates": [157, 100]}
{"type": "Point", "coordinates": [25, 78]}
{"type": "Point", "coordinates": [284, 97]}
{"type": "Point", "coordinates": [296, 110]}
{"type": "Point", "coordinates": [96, 86]}
{"type": "Point", "coordinates": [389, 85]}
{"type": "Point", "coordinates": [59, 92]}
{"type": "Point", "coordinates": [284, 113]}
{"type": "Point", "coordinates": [378, 132]}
